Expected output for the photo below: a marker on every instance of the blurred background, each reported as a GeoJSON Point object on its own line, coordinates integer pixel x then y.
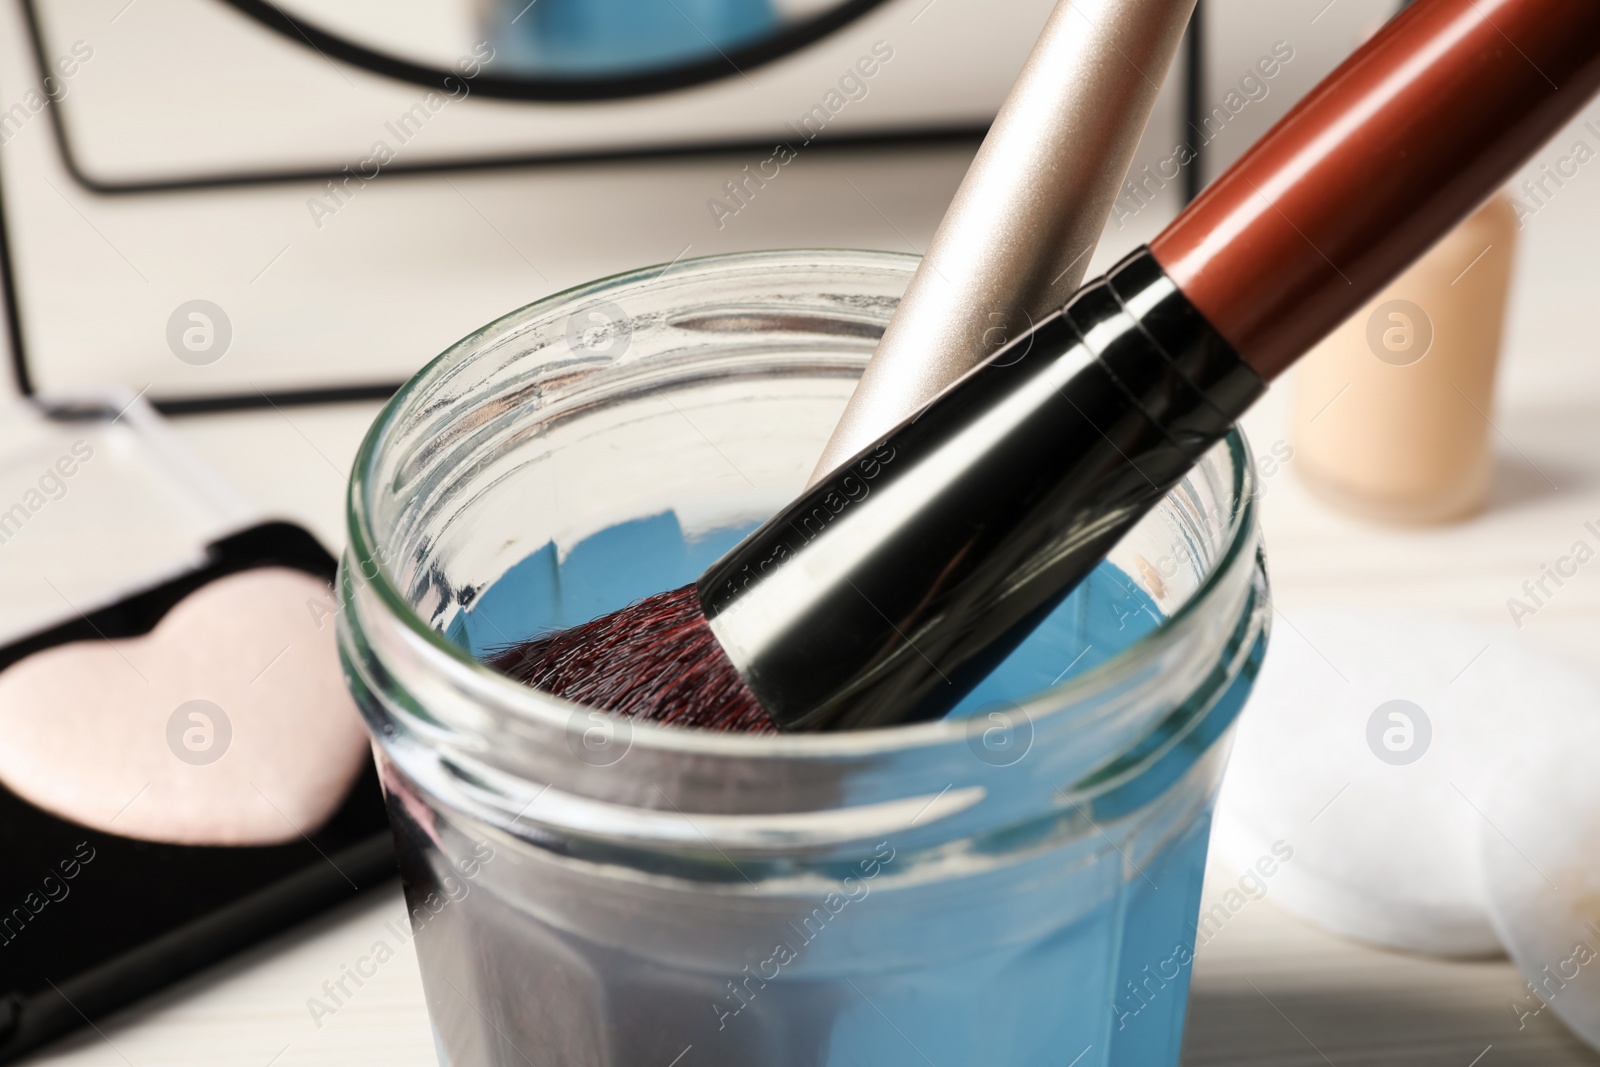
{"type": "Point", "coordinates": [264, 215]}
{"type": "Point", "coordinates": [353, 184]}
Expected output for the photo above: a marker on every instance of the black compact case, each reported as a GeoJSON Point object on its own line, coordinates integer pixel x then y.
{"type": "Point", "coordinates": [90, 921]}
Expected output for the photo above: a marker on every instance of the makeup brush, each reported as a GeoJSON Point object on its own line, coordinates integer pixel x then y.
{"type": "Point", "coordinates": [1016, 240]}
{"type": "Point", "coordinates": [885, 592]}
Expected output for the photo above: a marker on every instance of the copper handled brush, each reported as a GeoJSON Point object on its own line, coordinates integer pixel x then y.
{"type": "Point", "coordinates": [891, 587]}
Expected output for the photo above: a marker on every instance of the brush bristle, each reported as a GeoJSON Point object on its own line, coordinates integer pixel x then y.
{"type": "Point", "coordinates": [656, 660]}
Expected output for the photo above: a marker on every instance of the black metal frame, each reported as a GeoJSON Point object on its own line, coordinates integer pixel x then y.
{"type": "Point", "coordinates": [338, 49]}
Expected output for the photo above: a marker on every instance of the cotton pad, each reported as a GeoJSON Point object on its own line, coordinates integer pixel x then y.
{"type": "Point", "coordinates": [1368, 747]}
{"type": "Point", "coordinates": [1542, 868]}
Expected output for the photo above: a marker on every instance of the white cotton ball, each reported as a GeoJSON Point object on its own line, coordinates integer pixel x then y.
{"type": "Point", "coordinates": [1541, 861]}
{"type": "Point", "coordinates": [1368, 747]}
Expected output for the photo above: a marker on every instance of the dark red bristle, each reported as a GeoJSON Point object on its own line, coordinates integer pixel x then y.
{"type": "Point", "coordinates": [656, 660]}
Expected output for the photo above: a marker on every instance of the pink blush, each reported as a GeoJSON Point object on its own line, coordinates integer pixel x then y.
{"type": "Point", "coordinates": [227, 724]}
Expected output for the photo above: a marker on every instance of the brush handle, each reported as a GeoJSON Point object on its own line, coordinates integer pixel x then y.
{"type": "Point", "coordinates": [888, 590]}
{"type": "Point", "coordinates": [1380, 161]}
{"type": "Point", "coordinates": [1040, 188]}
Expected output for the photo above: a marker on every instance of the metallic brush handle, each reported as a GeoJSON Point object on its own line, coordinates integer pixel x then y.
{"type": "Point", "coordinates": [1019, 234]}
{"type": "Point", "coordinates": [890, 589]}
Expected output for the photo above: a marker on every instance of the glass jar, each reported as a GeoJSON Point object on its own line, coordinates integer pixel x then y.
{"type": "Point", "coordinates": [1015, 885]}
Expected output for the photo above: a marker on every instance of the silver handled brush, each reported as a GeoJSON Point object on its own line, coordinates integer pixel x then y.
{"type": "Point", "coordinates": [1019, 234]}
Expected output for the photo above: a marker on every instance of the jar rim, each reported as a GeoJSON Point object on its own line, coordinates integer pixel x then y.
{"type": "Point", "coordinates": [553, 712]}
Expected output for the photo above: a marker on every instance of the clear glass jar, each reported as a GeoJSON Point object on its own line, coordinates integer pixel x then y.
{"type": "Point", "coordinates": [1017, 887]}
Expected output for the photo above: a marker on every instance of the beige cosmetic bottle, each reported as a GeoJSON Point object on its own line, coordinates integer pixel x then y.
{"type": "Point", "coordinates": [1392, 410]}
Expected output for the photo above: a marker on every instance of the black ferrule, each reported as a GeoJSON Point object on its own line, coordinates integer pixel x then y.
{"type": "Point", "coordinates": [892, 587]}
{"type": "Point", "coordinates": [1183, 335]}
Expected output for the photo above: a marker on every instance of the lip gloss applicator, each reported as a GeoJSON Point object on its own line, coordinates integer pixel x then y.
{"type": "Point", "coordinates": [891, 587]}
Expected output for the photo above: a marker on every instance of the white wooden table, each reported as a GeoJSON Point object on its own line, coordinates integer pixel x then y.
{"type": "Point", "coordinates": [1268, 990]}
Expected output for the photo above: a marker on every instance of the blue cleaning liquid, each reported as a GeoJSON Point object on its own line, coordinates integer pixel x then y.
{"type": "Point", "coordinates": [1109, 989]}
{"type": "Point", "coordinates": [617, 566]}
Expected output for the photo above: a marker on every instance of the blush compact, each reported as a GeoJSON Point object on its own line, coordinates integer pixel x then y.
{"type": "Point", "coordinates": [182, 772]}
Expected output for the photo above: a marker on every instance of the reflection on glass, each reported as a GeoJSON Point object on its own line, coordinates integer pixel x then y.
{"type": "Point", "coordinates": [615, 38]}
{"type": "Point", "coordinates": [556, 40]}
